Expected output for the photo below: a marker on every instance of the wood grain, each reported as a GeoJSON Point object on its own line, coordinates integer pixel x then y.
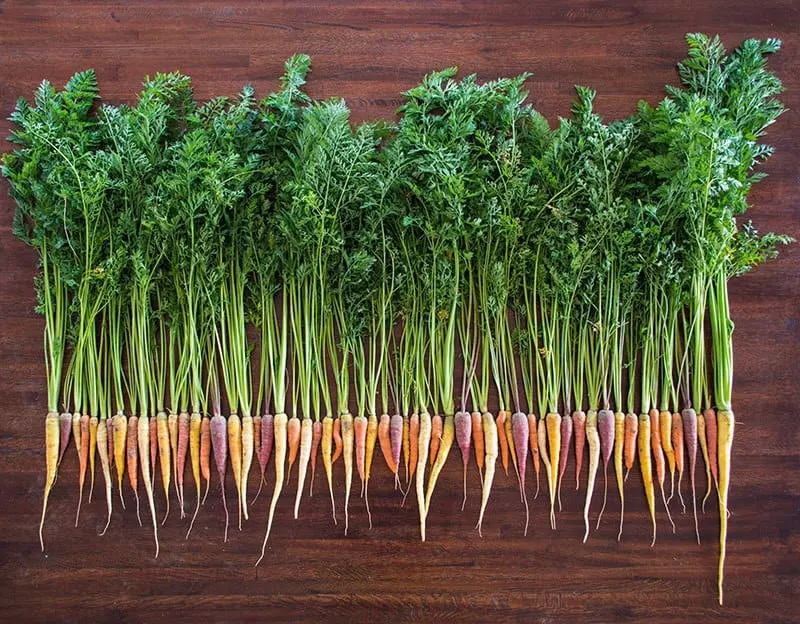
{"type": "Point", "coordinates": [370, 52]}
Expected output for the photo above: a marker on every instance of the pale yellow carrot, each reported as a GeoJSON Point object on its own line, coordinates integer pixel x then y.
{"type": "Point", "coordinates": [119, 425]}
{"type": "Point", "coordinates": [92, 452]}
{"type": "Point", "coordinates": [423, 445]}
{"type": "Point", "coordinates": [593, 440]}
{"type": "Point", "coordinates": [52, 435]}
{"type": "Point", "coordinates": [725, 428]}
{"type": "Point", "coordinates": [248, 444]}
{"type": "Point", "coordinates": [306, 434]}
{"type": "Point", "coordinates": [553, 423]}
{"type": "Point", "coordinates": [327, 443]}
{"type": "Point", "coordinates": [372, 438]}
{"type": "Point", "coordinates": [143, 440]}
{"type": "Point", "coordinates": [280, 424]}
{"type": "Point", "coordinates": [491, 445]}
{"type": "Point", "coordinates": [448, 435]}
{"type": "Point", "coordinates": [105, 463]}
{"type": "Point", "coordinates": [619, 443]}
{"type": "Point", "coordinates": [643, 445]}
{"type": "Point", "coordinates": [234, 430]}
{"type": "Point", "coordinates": [162, 432]}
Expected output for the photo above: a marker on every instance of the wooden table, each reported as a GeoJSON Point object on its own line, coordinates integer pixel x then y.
{"type": "Point", "coordinates": [368, 54]}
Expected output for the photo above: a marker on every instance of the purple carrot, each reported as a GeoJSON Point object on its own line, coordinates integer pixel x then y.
{"type": "Point", "coordinates": [689, 417]}
{"type": "Point", "coordinates": [566, 438]}
{"type": "Point", "coordinates": [65, 427]}
{"type": "Point", "coordinates": [605, 429]}
{"type": "Point", "coordinates": [219, 444]}
{"type": "Point", "coordinates": [520, 432]}
{"type": "Point", "coordinates": [463, 425]}
{"type": "Point", "coordinates": [396, 438]}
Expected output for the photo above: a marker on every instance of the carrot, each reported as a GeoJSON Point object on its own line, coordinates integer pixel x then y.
{"type": "Point", "coordinates": [446, 443]}
{"type": "Point", "coordinates": [316, 437]}
{"type": "Point", "coordinates": [413, 434]}
{"type": "Point", "coordinates": [248, 444]}
{"type": "Point", "coordinates": [327, 437]}
{"type": "Point", "coordinates": [205, 452]}
{"type": "Point", "coordinates": [105, 464]}
{"type": "Point", "coordinates": [280, 425]}
{"type": "Point", "coordinates": [53, 428]}
{"type": "Point", "coordinates": [713, 445]}
{"type": "Point", "coordinates": [64, 421]}
{"type": "Point", "coordinates": [153, 433]}
{"type": "Point", "coordinates": [132, 460]}
{"type": "Point", "coordinates": [690, 427]}
{"type": "Point", "coordinates": [93, 421]}
{"type": "Point", "coordinates": [195, 434]}
{"type": "Point", "coordinates": [533, 440]}
{"type": "Point", "coordinates": [463, 427]}
{"type": "Point", "coordinates": [510, 439]}
{"type": "Point", "coordinates": [703, 439]}
{"type": "Point", "coordinates": [164, 456]}
{"type": "Point", "coordinates": [337, 440]}
{"type": "Point", "coordinates": [234, 431]}
{"type": "Point", "coordinates": [219, 445]}
{"type": "Point", "coordinates": [658, 454]}
{"type": "Point", "coordinates": [520, 434]}
{"type": "Point", "coordinates": [491, 443]}
{"type": "Point", "coordinates": [677, 445]}
{"type": "Point", "coordinates": [726, 424]}
{"type": "Point", "coordinates": [477, 440]}
{"type": "Point", "coordinates": [267, 438]}
{"type": "Point", "coordinates": [406, 444]}
{"type": "Point", "coordinates": [629, 447]}
{"type": "Point", "coordinates": [605, 429]}
{"type": "Point", "coordinates": [293, 440]}
{"type": "Point", "coordinates": [553, 424]}
{"type": "Point", "coordinates": [385, 442]}
{"type": "Point", "coordinates": [541, 441]}
{"type": "Point", "coordinates": [143, 438]}
{"type": "Point", "coordinates": [566, 438]}
{"type": "Point", "coordinates": [436, 436]}
{"type": "Point", "coordinates": [262, 467]}
{"type": "Point", "coordinates": [501, 438]}
{"type": "Point", "coordinates": [593, 438]}
{"type": "Point", "coordinates": [347, 452]}
{"type": "Point", "coordinates": [643, 445]}
{"type": "Point", "coordinates": [397, 429]}
{"type": "Point", "coordinates": [183, 447]}
{"type": "Point", "coordinates": [109, 438]}
{"type": "Point", "coordinates": [665, 426]}
{"type": "Point", "coordinates": [172, 430]}
{"type": "Point", "coordinates": [423, 448]}
{"type": "Point", "coordinates": [76, 433]}
{"type": "Point", "coordinates": [306, 434]}
{"type": "Point", "coordinates": [372, 437]}
{"type": "Point", "coordinates": [83, 456]}
{"type": "Point", "coordinates": [619, 439]}
{"type": "Point", "coordinates": [360, 439]}
{"type": "Point", "coordinates": [119, 425]}
{"type": "Point", "coordinates": [579, 425]}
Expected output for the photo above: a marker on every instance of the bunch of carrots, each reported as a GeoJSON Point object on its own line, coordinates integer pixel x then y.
{"type": "Point", "coordinates": [579, 274]}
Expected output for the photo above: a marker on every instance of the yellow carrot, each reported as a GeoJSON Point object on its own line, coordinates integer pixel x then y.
{"type": "Point", "coordinates": [279, 423]}
{"type": "Point", "coordinates": [491, 445]}
{"type": "Point", "coordinates": [619, 443]}
{"type": "Point", "coordinates": [143, 439]}
{"type": "Point", "coordinates": [83, 456]}
{"type": "Point", "coordinates": [643, 444]}
{"type": "Point", "coordinates": [195, 426]}
{"type": "Point", "coordinates": [347, 451]}
{"type": "Point", "coordinates": [248, 444]}
{"type": "Point", "coordinates": [423, 443]}
{"type": "Point", "coordinates": [510, 439]}
{"type": "Point", "coordinates": [52, 435]}
{"type": "Point", "coordinates": [593, 439]}
{"type": "Point", "coordinates": [665, 425]}
{"type": "Point", "coordinates": [448, 435]}
{"type": "Point", "coordinates": [119, 425]}
{"type": "Point", "coordinates": [372, 438]}
{"type": "Point", "coordinates": [162, 431]}
{"type": "Point", "coordinates": [701, 435]}
{"type": "Point", "coordinates": [102, 447]}
{"type": "Point", "coordinates": [327, 443]}
{"type": "Point", "coordinates": [541, 438]}
{"type": "Point", "coordinates": [553, 423]}
{"type": "Point", "coordinates": [725, 428]}
{"type": "Point", "coordinates": [234, 431]}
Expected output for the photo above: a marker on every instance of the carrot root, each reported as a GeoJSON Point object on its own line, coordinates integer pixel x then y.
{"type": "Point", "coordinates": [520, 434]}
{"type": "Point", "coordinates": [463, 432]}
{"type": "Point", "coordinates": [533, 440]}
{"type": "Point", "coordinates": [690, 427]}
{"type": "Point", "coordinates": [605, 429]}
{"type": "Point", "coordinates": [643, 446]}
{"type": "Point", "coordinates": [566, 438]}
{"type": "Point", "coordinates": [306, 434]}
{"type": "Point", "coordinates": [219, 446]}
{"type": "Point", "coordinates": [52, 438]}
{"type": "Point", "coordinates": [579, 424]}
{"type": "Point", "coordinates": [280, 425]}
{"type": "Point", "coordinates": [725, 429]}
{"type": "Point", "coordinates": [347, 453]}
{"type": "Point", "coordinates": [423, 447]}
{"type": "Point", "coordinates": [553, 424]}
{"type": "Point", "coordinates": [327, 440]}
{"type": "Point", "coordinates": [593, 439]}
{"type": "Point", "coordinates": [195, 434]}
{"type": "Point", "coordinates": [619, 440]}
{"type": "Point", "coordinates": [491, 445]}
{"type": "Point", "coordinates": [316, 438]}
{"type": "Point", "coordinates": [132, 460]}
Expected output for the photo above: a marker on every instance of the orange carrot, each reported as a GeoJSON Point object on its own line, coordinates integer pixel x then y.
{"type": "Point", "coordinates": [477, 440]}
{"type": "Point", "coordinates": [579, 424]}
{"type": "Point", "coordinates": [385, 443]}
{"type": "Point", "coordinates": [52, 437]}
{"type": "Point", "coordinates": [619, 440]}
{"type": "Point", "coordinates": [533, 440]}
{"type": "Point", "coordinates": [665, 425]}
{"type": "Point", "coordinates": [436, 437]}
{"type": "Point", "coordinates": [658, 454]}
{"type": "Point", "coordinates": [83, 447]}
{"type": "Point", "coordinates": [413, 434]}
{"type": "Point", "coordinates": [153, 433]}
{"type": "Point", "coordinates": [502, 440]}
{"type": "Point", "coordinates": [293, 440]}
{"type": "Point", "coordinates": [337, 440]}
{"type": "Point", "coordinates": [132, 460]}
{"type": "Point", "coordinates": [629, 447]}
{"type": "Point", "coordinates": [306, 433]}
{"type": "Point", "coordinates": [205, 452]}
{"type": "Point", "coordinates": [316, 438]}
{"type": "Point", "coordinates": [446, 443]}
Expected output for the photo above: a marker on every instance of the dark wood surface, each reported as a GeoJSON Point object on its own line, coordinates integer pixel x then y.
{"type": "Point", "coordinates": [368, 53]}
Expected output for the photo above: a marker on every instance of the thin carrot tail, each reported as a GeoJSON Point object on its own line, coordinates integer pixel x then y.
{"type": "Point", "coordinates": [558, 493]}
{"type": "Point", "coordinates": [138, 516]}
{"type": "Point", "coordinates": [366, 501]}
{"type": "Point", "coordinates": [44, 511]}
{"type": "Point", "coordinates": [694, 509]}
{"type": "Point", "coordinates": [464, 501]}
{"type": "Point", "coordinates": [80, 500]}
{"type": "Point", "coordinates": [605, 496]}
{"type": "Point", "coordinates": [527, 511]}
{"type": "Point", "coordinates": [166, 498]}
{"type": "Point", "coordinates": [225, 507]}
{"type": "Point", "coordinates": [680, 494]}
{"type": "Point", "coordinates": [260, 486]}
{"type": "Point", "coordinates": [205, 496]}
{"type": "Point", "coordinates": [666, 507]}
{"type": "Point", "coordinates": [121, 498]}
{"type": "Point", "coordinates": [196, 510]}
